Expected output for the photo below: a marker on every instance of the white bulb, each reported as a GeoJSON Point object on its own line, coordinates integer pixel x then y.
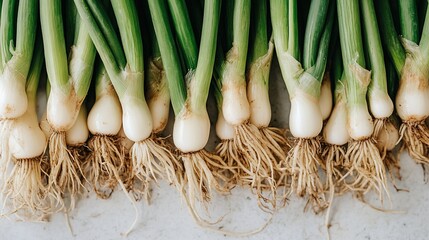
{"type": "Point", "coordinates": [191, 130]}
{"type": "Point", "coordinates": [136, 119]}
{"type": "Point", "coordinates": [105, 117]}
{"type": "Point", "coordinates": [305, 119]}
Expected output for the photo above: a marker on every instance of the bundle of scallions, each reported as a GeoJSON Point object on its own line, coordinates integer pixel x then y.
{"type": "Point", "coordinates": [343, 116]}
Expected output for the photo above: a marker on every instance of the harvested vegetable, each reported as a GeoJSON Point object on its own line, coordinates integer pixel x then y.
{"type": "Point", "coordinates": [69, 81]}
{"type": "Point", "coordinates": [303, 83]}
{"type": "Point", "coordinates": [158, 98]}
{"type": "Point", "coordinates": [192, 125]}
{"type": "Point", "coordinates": [380, 104]}
{"type": "Point", "coordinates": [335, 133]}
{"type": "Point", "coordinates": [18, 25]}
{"type": "Point", "coordinates": [25, 191]}
{"type": "Point", "coordinates": [106, 162]}
{"type": "Point", "coordinates": [364, 162]}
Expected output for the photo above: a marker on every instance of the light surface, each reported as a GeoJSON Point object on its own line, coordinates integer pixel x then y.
{"type": "Point", "coordinates": [167, 216]}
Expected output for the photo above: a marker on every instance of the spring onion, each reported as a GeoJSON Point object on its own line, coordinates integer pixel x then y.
{"type": "Point", "coordinates": [25, 187]}
{"type": "Point", "coordinates": [335, 134]}
{"type": "Point", "coordinates": [70, 81]}
{"type": "Point", "coordinates": [158, 99]}
{"type": "Point", "coordinates": [106, 162]}
{"type": "Point", "coordinates": [192, 125]}
{"type": "Point", "coordinates": [391, 160]}
{"type": "Point", "coordinates": [364, 162]}
{"type": "Point", "coordinates": [303, 83]}
{"type": "Point", "coordinates": [18, 26]}
{"type": "Point", "coordinates": [380, 104]}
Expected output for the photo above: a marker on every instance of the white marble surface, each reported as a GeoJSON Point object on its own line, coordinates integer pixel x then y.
{"type": "Point", "coordinates": [167, 216]}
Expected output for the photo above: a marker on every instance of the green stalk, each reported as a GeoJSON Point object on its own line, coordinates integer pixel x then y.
{"type": "Point", "coordinates": [218, 70]}
{"type": "Point", "coordinates": [293, 41]}
{"type": "Point", "coordinates": [219, 64]}
{"type": "Point", "coordinates": [206, 58]}
{"type": "Point", "coordinates": [289, 48]}
{"type": "Point", "coordinates": [241, 27]}
{"type": "Point", "coordinates": [374, 48]}
{"type": "Point", "coordinates": [421, 12]}
{"type": "Point", "coordinates": [258, 38]}
{"type": "Point", "coordinates": [321, 53]}
{"type": "Point", "coordinates": [392, 79]}
{"type": "Point", "coordinates": [195, 10]}
{"type": "Point", "coordinates": [259, 56]}
{"type": "Point", "coordinates": [394, 11]}
{"type": "Point", "coordinates": [86, 52]}
{"type": "Point", "coordinates": [7, 29]}
{"type": "Point", "coordinates": [313, 31]}
{"type": "Point", "coordinates": [26, 34]}
{"type": "Point", "coordinates": [54, 45]}
{"type": "Point", "coordinates": [102, 81]}
{"type": "Point", "coordinates": [228, 12]}
{"type": "Point", "coordinates": [352, 51]}
{"type": "Point", "coordinates": [280, 23]}
{"type": "Point", "coordinates": [107, 28]}
{"type": "Point", "coordinates": [34, 74]}
{"type": "Point", "coordinates": [26, 24]}
{"type": "Point", "coordinates": [102, 44]}
{"type": "Point", "coordinates": [185, 33]}
{"type": "Point", "coordinates": [389, 36]}
{"type": "Point", "coordinates": [235, 60]}
{"type": "Point", "coordinates": [69, 12]}
{"type": "Point", "coordinates": [1, 4]}
{"type": "Point", "coordinates": [409, 20]}
{"type": "Point", "coordinates": [217, 92]}
{"type": "Point", "coordinates": [424, 41]}
{"type": "Point", "coordinates": [155, 51]}
{"type": "Point", "coordinates": [150, 43]}
{"type": "Point", "coordinates": [169, 53]}
{"type": "Point", "coordinates": [132, 43]}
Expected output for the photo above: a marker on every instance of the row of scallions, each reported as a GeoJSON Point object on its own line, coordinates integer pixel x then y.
{"type": "Point", "coordinates": [189, 90]}
{"type": "Point", "coordinates": [364, 164]}
{"type": "Point", "coordinates": [408, 48]}
{"type": "Point", "coordinates": [69, 77]}
{"type": "Point", "coordinates": [23, 189]}
{"type": "Point", "coordinates": [303, 83]}
{"type": "Point", "coordinates": [17, 39]}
